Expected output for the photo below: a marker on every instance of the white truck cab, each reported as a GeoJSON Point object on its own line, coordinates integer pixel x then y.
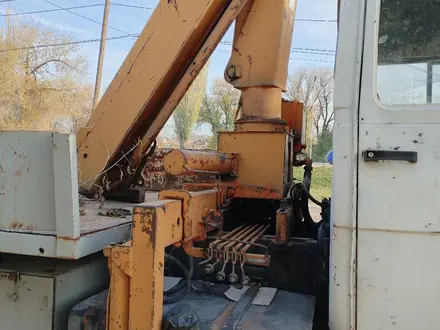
{"type": "Point", "coordinates": [386, 183]}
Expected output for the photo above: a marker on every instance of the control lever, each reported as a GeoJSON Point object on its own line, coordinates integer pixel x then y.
{"type": "Point", "coordinates": [245, 280]}
{"type": "Point", "coordinates": [221, 274]}
{"type": "Point", "coordinates": [233, 277]}
{"type": "Point", "coordinates": [209, 268]}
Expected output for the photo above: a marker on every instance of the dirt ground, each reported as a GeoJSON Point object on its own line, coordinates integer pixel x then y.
{"type": "Point", "coordinates": [315, 211]}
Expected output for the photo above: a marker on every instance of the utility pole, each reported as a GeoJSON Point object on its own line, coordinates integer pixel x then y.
{"type": "Point", "coordinates": [101, 54]}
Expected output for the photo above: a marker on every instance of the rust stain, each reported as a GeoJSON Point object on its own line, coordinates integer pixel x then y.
{"type": "Point", "coordinates": [148, 218]}
{"type": "Point", "coordinates": [281, 228]}
{"type": "Point", "coordinates": [14, 277]}
{"type": "Point", "coordinates": [224, 316]}
{"type": "Point", "coordinates": [16, 224]}
{"type": "Point", "coordinates": [69, 239]}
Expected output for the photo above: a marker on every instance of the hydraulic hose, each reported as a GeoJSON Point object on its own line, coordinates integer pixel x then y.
{"type": "Point", "coordinates": [183, 287]}
{"type": "Point", "coordinates": [300, 195]}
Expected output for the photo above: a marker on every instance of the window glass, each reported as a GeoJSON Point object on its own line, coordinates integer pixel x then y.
{"type": "Point", "coordinates": [408, 68]}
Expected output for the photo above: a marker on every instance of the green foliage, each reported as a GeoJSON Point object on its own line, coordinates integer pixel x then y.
{"type": "Point", "coordinates": [321, 180]}
{"type": "Point", "coordinates": [219, 109]}
{"type": "Point", "coordinates": [187, 112]}
{"type": "Point", "coordinates": [40, 85]}
{"type": "Point", "coordinates": [322, 147]}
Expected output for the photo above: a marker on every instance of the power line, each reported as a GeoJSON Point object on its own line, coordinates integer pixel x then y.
{"type": "Point", "coordinates": [67, 43]}
{"type": "Point", "coordinates": [316, 20]}
{"type": "Point", "coordinates": [295, 58]}
{"type": "Point", "coordinates": [127, 6]}
{"type": "Point", "coordinates": [71, 8]}
{"type": "Point", "coordinates": [315, 53]}
{"type": "Point", "coordinates": [299, 50]}
{"type": "Point", "coordinates": [51, 10]}
{"type": "Point", "coordinates": [293, 51]}
{"type": "Point", "coordinates": [309, 60]}
{"type": "Point", "coordinates": [85, 17]}
{"type": "Point", "coordinates": [131, 6]}
{"type": "Point", "coordinates": [316, 49]}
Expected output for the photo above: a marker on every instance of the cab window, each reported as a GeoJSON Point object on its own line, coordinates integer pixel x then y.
{"type": "Point", "coordinates": [408, 52]}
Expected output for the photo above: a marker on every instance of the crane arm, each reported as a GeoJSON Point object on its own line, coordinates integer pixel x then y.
{"type": "Point", "coordinates": [166, 58]}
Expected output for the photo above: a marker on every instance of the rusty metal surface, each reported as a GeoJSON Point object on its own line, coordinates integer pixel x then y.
{"type": "Point", "coordinates": [231, 248]}
{"type": "Point", "coordinates": [92, 217]}
{"type": "Point", "coordinates": [292, 112]}
{"type": "Point", "coordinates": [197, 206]}
{"type": "Point", "coordinates": [256, 192]}
{"type": "Point", "coordinates": [178, 162]}
{"type": "Point", "coordinates": [260, 124]}
{"type": "Point", "coordinates": [157, 179]}
{"type": "Point", "coordinates": [137, 266]}
{"type": "Point", "coordinates": [284, 223]}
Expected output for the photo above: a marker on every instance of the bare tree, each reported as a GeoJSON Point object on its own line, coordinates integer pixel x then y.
{"type": "Point", "coordinates": [187, 112]}
{"type": "Point", "coordinates": [38, 85]}
{"type": "Point", "coordinates": [219, 108]}
{"type": "Point", "coordinates": [302, 86]}
{"type": "Point", "coordinates": [314, 88]}
{"type": "Point", "coordinates": [323, 115]}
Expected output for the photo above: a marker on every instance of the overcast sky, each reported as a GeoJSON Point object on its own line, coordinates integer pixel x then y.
{"type": "Point", "coordinates": [312, 45]}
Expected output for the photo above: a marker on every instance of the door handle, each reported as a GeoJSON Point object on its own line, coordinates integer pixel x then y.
{"type": "Point", "coordinates": [378, 155]}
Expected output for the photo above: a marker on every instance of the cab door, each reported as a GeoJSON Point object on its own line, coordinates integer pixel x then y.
{"type": "Point", "coordinates": [398, 185]}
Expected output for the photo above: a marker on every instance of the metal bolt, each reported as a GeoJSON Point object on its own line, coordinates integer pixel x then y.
{"type": "Point", "coordinates": [209, 269]}
{"type": "Point", "coordinates": [231, 71]}
{"type": "Point", "coordinates": [233, 278]}
{"type": "Point", "coordinates": [220, 276]}
{"type": "Point", "coordinates": [370, 154]}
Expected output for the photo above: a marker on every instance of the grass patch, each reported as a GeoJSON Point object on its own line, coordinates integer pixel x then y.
{"type": "Point", "coordinates": [321, 180]}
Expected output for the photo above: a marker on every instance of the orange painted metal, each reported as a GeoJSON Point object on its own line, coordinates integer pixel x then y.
{"type": "Point", "coordinates": [261, 51]}
{"type": "Point", "coordinates": [261, 102]}
{"type": "Point", "coordinates": [283, 225]}
{"type": "Point", "coordinates": [256, 192]}
{"type": "Point", "coordinates": [178, 162]}
{"type": "Point", "coordinates": [262, 157]}
{"type": "Point", "coordinates": [136, 267]}
{"type": "Point", "coordinates": [292, 113]}
{"type": "Point", "coordinates": [260, 125]}
{"type": "Point", "coordinates": [118, 299]}
{"type": "Point", "coordinates": [197, 206]}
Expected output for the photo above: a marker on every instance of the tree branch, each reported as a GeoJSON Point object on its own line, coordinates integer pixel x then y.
{"type": "Point", "coordinates": [38, 67]}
